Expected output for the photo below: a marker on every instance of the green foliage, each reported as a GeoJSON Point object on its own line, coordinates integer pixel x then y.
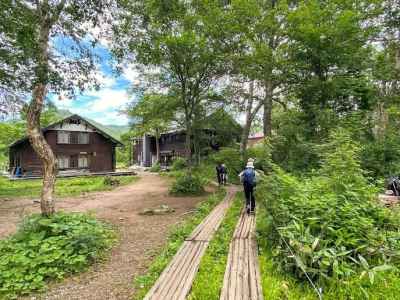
{"type": "Point", "coordinates": [262, 155]}
{"type": "Point", "coordinates": [188, 184]}
{"type": "Point", "coordinates": [185, 57]}
{"type": "Point", "coordinates": [155, 168]}
{"type": "Point", "coordinates": [278, 284]}
{"type": "Point", "coordinates": [45, 249]}
{"type": "Point", "coordinates": [232, 159]}
{"type": "Point", "coordinates": [176, 237]}
{"type": "Point", "coordinates": [291, 147]}
{"type": "Point", "coordinates": [64, 186]}
{"type": "Point", "coordinates": [124, 153]}
{"type": "Point", "coordinates": [226, 131]}
{"type": "Point", "coordinates": [154, 114]}
{"type": "Point", "coordinates": [111, 181]}
{"type": "Point", "coordinates": [331, 220]}
{"type": "Point", "coordinates": [9, 132]}
{"type": "Point", "coordinates": [208, 282]}
{"type": "Point", "coordinates": [23, 65]}
{"type": "Point", "coordinates": [178, 164]}
{"type": "Point", "coordinates": [206, 171]}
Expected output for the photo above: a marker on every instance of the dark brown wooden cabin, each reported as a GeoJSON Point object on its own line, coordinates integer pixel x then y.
{"type": "Point", "coordinates": [172, 145]}
{"type": "Point", "coordinates": [79, 145]}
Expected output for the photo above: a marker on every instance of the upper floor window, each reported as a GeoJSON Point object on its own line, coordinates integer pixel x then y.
{"type": "Point", "coordinates": [83, 138]}
{"type": "Point", "coordinates": [68, 137]}
{"type": "Point", "coordinates": [62, 137]}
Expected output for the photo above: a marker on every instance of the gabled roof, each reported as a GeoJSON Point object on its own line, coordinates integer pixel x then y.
{"type": "Point", "coordinates": [101, 129]}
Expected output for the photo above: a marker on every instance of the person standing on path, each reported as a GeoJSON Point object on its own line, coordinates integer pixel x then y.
{"type": "Point", "coordinates": [224, 171]}
{"type": "Point", "coordinates": [249, 180]}
{"type": "Point", "coordinates": [219, 173]}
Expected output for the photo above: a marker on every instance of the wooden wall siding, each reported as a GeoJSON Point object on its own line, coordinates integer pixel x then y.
{"type": "Point", "coordinates": [100, 151]}
{"type": "Point", "coordinates": [137, 151]}
{"type": "Point", "coordinates": [173, 143]}
{"type": "Point", "coordinates": [169, 143]}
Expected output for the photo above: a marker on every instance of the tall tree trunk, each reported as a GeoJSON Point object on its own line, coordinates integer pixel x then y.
{"type": "Point", "coordinates": [267, 116]}
{"type": "Point", "coordinates": [247, 125]}
{"type": "Point", "coordinates": [158, 145]}
{"type": "Point", "coordinates": [36, 138]}
{"type": "Point", "coordinates": [188, 143]}
{"type": "Point", "coordinates": [381, 120]}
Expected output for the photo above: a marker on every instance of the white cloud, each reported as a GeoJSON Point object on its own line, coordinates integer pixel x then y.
{"type": "Point", "coordinates": [108, 99]}
{"type": "Point", "coordinates": [132, 74]}
{"type": "Point", "coordinates": [104, 80]}
{"type": "Point", "coordinates": [112, 118]}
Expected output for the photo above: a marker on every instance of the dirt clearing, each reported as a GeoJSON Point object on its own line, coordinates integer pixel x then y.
{"type": "Point", "coordinates": [140, 235]}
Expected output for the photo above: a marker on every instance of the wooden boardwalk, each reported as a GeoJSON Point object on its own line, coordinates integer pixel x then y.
{"type": "Point", "coordinates": [242, 279]}
{"type": "Point", "coordinates": [176, 280]}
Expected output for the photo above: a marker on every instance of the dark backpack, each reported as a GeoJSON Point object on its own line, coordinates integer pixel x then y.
{"type": "Point", "coordinates": [249, 177]}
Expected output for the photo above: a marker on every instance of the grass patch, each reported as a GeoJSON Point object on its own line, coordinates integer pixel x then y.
{"type": "Point", "coordinates": [175, 239]}
{"type": "Point", "coordinates": [51, 248]}
{"type": "Point", "coordinates": [64, 186]}
{"type": "Point", "coordinates": [209, 280]}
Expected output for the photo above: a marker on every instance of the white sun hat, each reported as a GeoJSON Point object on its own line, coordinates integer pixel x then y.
{"type": "Point", "coordinates": [250, 163]}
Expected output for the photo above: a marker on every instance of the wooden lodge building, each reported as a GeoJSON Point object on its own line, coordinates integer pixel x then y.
{"type": "Point", "coordinates": [79, 145]}
{"type": "Point", "coordinates": [172, 145]}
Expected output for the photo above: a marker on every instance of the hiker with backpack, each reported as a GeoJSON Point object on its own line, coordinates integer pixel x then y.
{"type": "Point", "coordinates": [219, 169]}
{"type": "Point", "coordinates": [224, 171]}
{"type": "Point", "coordinates": [249, 180]}
{"type": "Point", "coordinates": [394, 185]}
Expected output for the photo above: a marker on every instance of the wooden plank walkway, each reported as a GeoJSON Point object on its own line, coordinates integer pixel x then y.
{"type": "Point", "coordinates": [176, 280]}
{"type": "Point", "coordinates": [242, 279]}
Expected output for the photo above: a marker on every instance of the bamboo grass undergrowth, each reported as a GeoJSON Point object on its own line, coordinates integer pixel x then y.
{"type": "Point", "coordinates": [280, 285]}
{"type": "Point", "coordinates": [176, 237]}
{"type": "Point", "coordinates": [209, 280]}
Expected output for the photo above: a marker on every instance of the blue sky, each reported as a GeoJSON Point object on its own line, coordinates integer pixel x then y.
{"type": "Point", "coordinates": [103, 105]}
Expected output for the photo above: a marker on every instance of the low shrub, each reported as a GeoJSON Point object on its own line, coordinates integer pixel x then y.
{"type": "Point", "coordinates": [331, 220]}
{"type": "Point", "coordinates": [261, 153]}
{"type": "Point", "coordinates": [155, 168]}
{"type": "Point", "coordinates": [233, 161]}
{"type": "Point", "coordinates": [178, 164]}
{"type": "Point", "coordinates": [187, 184]}
{"type": "Point", "coordinates": [46, 248]}
{"type": "Point", "coordinates": [110, 181]}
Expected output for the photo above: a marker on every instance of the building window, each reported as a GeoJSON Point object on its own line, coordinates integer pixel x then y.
{"type": "Point", "coordinates": [63, 137]}
{"type": "Point", "coordinates": [73, 162]}
{"type": "Point", "coordinates": [83, 138]}
{"type": "Point", "coordinates": [63, 162]}
{"type": "Point", "coordinates": [73, 138]}
{"type": "Point", "coordinates": [83, 161]}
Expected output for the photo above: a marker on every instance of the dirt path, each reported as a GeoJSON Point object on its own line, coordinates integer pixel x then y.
{"type": "Point", "coordinates": [140, 235]}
